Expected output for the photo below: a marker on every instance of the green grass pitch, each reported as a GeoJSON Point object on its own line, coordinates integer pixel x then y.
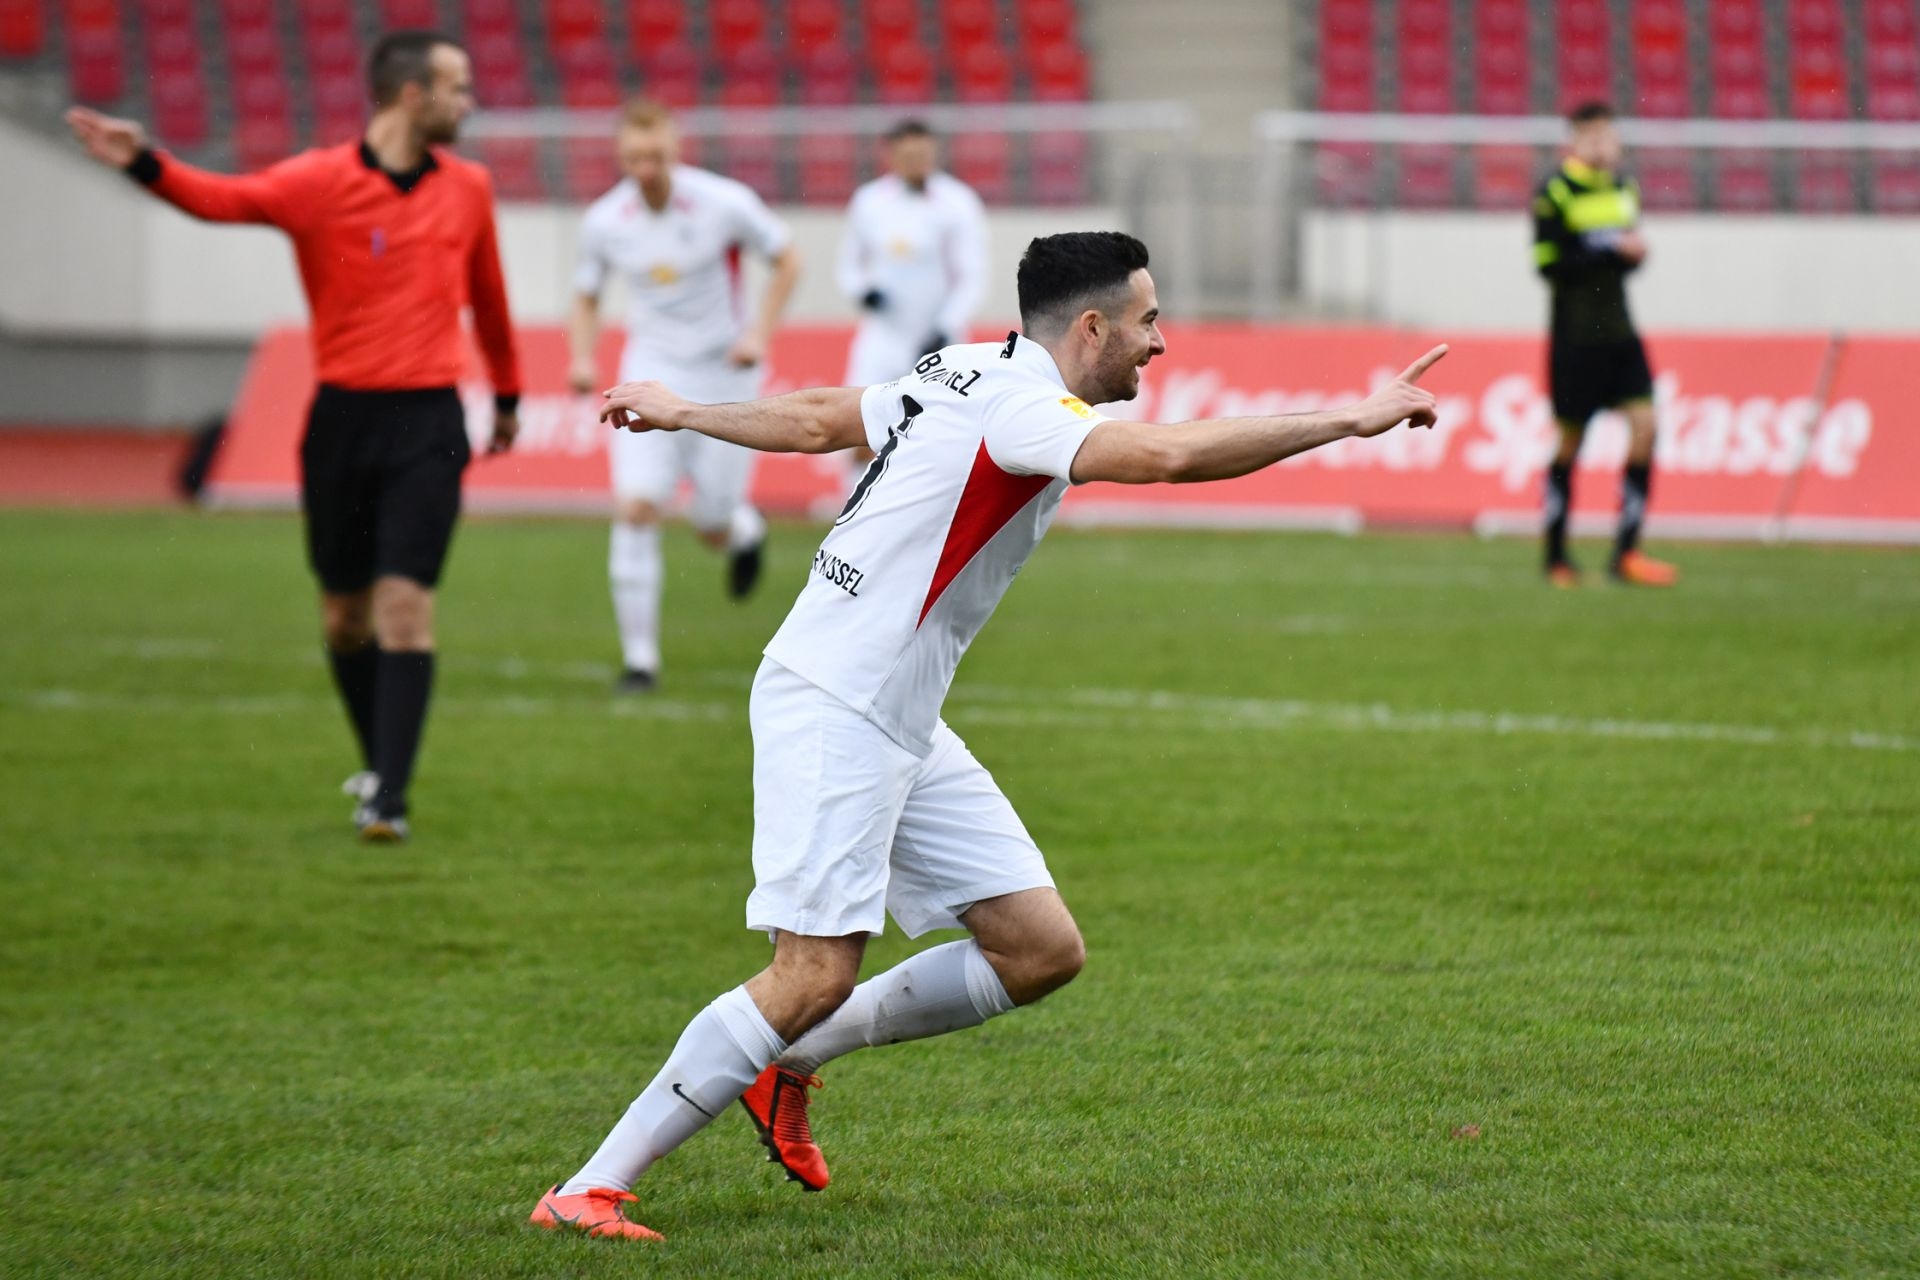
{"type": "Point", "coordinates": [1439, 924]}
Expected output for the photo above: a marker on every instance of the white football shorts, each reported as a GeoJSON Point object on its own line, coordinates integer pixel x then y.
{"type": "Point", "coordinates": [648, 466]}
{"type": "Point", "coordinates": [848, 825]}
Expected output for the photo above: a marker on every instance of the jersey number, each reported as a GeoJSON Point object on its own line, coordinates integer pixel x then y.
{"type": "Point", "coordinates": [878, 466]}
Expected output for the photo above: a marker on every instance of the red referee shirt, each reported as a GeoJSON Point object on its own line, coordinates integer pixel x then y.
{"type": "Point", "coordinates": [388, 261]}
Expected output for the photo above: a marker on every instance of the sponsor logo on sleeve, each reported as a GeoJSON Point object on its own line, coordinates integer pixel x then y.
{"type": "Point", "coordinates": [1078, 407]}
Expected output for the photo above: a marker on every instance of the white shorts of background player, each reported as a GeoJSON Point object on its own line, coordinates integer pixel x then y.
{"type": "Point", "coordinates": [648, 466]}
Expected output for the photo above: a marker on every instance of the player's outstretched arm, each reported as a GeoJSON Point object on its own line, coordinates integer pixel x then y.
{"type": "Point", "coordinates": [1221, 448]}
{"type": "Point", "coordinates": [822, 420]}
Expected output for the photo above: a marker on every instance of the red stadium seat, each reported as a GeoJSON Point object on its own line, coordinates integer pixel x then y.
{"type": "Point", "coordinates": [984, 161]}
{"type": "Point", "coordinates": [736, 23]}
{"type": "Point", "coordinates": [1044, 21]}
{"type": "Point", "coordinates": [758, 67]}
{"type": "Point", "coordinates": [1427, 176]}
{"type": "Point", "coordinates": [179, 107]}
{"type": "Point", "coordinates": [1668, 179]}
{"type": "Point", "coordinates": [983, 73]}
{"type": "Point", "coordinates": [966, 24]}
{"type": "Point", "coordinates": [1057, 168]}
{"type": "Point", "coordinates": [1504, 177]}
{"type": "Point", "coordinates": [1888, 20]}
{"type": "Point", "coordinates": [829, 76]}
{"type": "Point", "coordinates": [1893, 101]}
{"type": "Point", "coordinates": [1896, 184]}
{"type": "Point", "coordinates": [1503, 80]}
{"type": "Point", "coordinates": [1818, 81]}
{"type": "Point", "coordinates": [1059, 73]}
{"type": "Point", "coordinates": [587, 167]}
{"type": "Point", "coordinates": [410, 15]}
{"type": "Point", "coordinates": [492, 16]}
{"type": "Point", "coordinates": [651, 23]}
{"type": "Point", "coordinates": [170, 49]}
{"type": "Point", "coordinates": [1660, 24]}
{"type": "Point", "coordinates": [1824, 184]}
{"type": "Point", "coordinates": [673, 74]}
{"type": "Point", "coordinates": [1343, 21]}
{"type": "Point", "coordinates": [890, 23]}
{"type": "Point", "coordinates": [515, 164]}
{"type": "Point", "coordinates": [752, 160]}
{"type": "Point", "coordinates": [588, 79]}
{"type": "Point", "coordinates": [828, 168]}
{"type": "Point", "coordinates": [340, 109]}
{"type": "Point", "coordinates": [1585, 74]}
{"type": "Point", "coordinates": [23, 29]}
{"type": "Point", "coordinates": [1745, 184]}
{"type": "Point", "coordinates": [259, 141]}
{"type": "Point", "coordinates": [95, 66]}
{"type": "Point", "coordinates": [575, 21]}
{"type": "Point", "coordinates": [1346, 78]}
{"type": "Point", "coordinates": [814, 24]}
{"type": "Point", "coordinates": [92, 16]}
{"type": "Point", "coordinates": [253, 50]}
{"type": "Point", "coordinates": [906, 75]}
{"type": "Point", "coordinates": [333, 53]}
{"type": "Point", "coordinates": [1346, 174]}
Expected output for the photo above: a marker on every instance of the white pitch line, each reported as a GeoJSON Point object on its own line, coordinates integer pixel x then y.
{"type": "Point", "coordinates": [1075, 709]}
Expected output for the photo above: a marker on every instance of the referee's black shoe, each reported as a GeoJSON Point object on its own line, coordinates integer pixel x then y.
{"type": "Point", "coordinates": [743, 568]}
{"type": "Point", "coordinates": [635, 680]}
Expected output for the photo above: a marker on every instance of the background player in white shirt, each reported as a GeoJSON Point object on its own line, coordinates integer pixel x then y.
{"type": "Point", "coordinates": [675, 235]}
{"type": "Point", "coordinates": [913, 255]}
{"type": "Point", "coordinates": [865, 802]}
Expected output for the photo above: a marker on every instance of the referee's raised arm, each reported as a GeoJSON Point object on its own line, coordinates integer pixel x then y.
{"type": "Point", "coordinates": [395, 239]}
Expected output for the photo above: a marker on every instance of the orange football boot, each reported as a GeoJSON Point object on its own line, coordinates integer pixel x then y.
{"type": "Point", "coordinates": [777, 1101]}
{"type": "Point", "coordinates": [1563, 576]}
{"type": "Point", "coordinates": [1642, 570]}
{"type": "Point", "coordinates": [595, 1211]}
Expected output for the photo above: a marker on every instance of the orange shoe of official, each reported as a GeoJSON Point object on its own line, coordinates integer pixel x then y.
{"type": "Point", "coordinates": [777, 1101]}
{"type": "Point", "coordinates": [595, 1211]}
{"type": "Point", "coordinates": [1563, 576]}
{"type": "Point", "coordinates": [1641, 570]}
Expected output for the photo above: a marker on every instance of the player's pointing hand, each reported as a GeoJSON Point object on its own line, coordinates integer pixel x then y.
{"type": "Point", "coordinates": [1402, 400]}
{"type": "Point", "coordinates": [642, 406]}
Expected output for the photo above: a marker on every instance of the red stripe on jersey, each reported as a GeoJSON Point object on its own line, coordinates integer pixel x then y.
{"type": "Point", "coordinates": [992, 497]}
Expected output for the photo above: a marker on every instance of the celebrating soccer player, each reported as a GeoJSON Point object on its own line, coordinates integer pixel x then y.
{"type": "Point", "coordinates": [675, 234]}
{"type": "Point", "coordinates": [1586, 239]}
{"type": "Point", "coordinates": [395, 237]}
{"type": "Point", "coordinates": [865, 802]}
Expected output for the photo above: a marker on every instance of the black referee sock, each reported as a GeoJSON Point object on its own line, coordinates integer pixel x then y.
{"type": "Point", "coordinates": [1559, 503]}
{"type": "Point", "coordinates": [355, 673]}
{"type": "Point", "coordinates": [1635, 482]}
{"type": "Point", "coordinates": [406, 682]}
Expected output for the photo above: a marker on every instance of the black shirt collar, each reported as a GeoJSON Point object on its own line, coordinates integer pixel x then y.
{"type": "Point", "coordinates": [406, 181]}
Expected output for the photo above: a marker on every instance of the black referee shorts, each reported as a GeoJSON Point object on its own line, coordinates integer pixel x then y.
{"type": "Point", "coordinates": [1587, 379]}
{"type": "Point", "coordinates": [380, 483]}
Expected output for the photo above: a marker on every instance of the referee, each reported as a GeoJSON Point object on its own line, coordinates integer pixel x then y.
{"type": "Point", "coordinates": [395, 237]}
{"type": "Point", "coordinates": [1586, 239]}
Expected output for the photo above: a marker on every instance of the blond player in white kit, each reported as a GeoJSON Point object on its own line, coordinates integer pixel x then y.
{"type": "Point", "coordinates": [865, 802]}
{"type": "Point", "coordinates": [913, 256]}
{"type": "Point", "coordinates": [674, 235]}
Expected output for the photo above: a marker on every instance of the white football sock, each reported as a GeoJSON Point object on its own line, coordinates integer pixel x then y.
{"type": "Point", "coordinates": [944, 988]}
{"type": "Point", "coordinates": [633, 565]}
{"type": "Point", "coordinates": [720, 1053]}
{"type": "Point", "coordinates": [746, 527]}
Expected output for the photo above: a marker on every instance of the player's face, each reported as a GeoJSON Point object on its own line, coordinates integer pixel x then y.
{"type": "Point", "coordinates": [1132, 339]}
{"type": "Point", "coordinates": [648, 155]}
{"type": "Point", "coordinates": [449, 99]}
{"type": "Point", "coordinates": [1597, 143]}
{"type": "Point", "coordinates": [912, 159]}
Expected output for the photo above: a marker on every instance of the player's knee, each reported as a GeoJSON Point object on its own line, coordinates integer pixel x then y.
{"type": "Point", "coordinates": [715, 538]}
{"type": "Point", "coordinates": [1044, 964]}
{"type": "Point", "coordinates": [346, 623]}
{"type": "Point", "coordinates": [403, 615]}
{"type": "Point", "coordinates": [636, 511]}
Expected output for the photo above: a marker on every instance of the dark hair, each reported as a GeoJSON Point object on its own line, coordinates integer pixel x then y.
{"type": "Point", "coordinates": [1064, 275]}
{"type": "Point", "coordinates": [1590, 112]}
{"type": "Point", "coordinates": [400, 59]}
{"type": "Point", "coordinates": [909, 129]}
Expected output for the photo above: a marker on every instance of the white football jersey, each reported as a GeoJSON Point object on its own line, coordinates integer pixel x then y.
{"type": "Point", "coordinates": [972, 452]}
{"type": "Point", "coordinates": [681, 267]}
{"type": "Point", "coordinates": [925, 251]}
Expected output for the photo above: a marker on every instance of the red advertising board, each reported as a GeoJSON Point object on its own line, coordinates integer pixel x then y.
{"type": "Point", "coordinates": [1742, 441]}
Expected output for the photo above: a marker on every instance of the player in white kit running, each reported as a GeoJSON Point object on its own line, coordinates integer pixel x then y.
{"type": "Point", "coordinates": [865, 802]}
{"type": "Point", "coordinates": [913, 256]}
{"type": "Point", "coordinates": [674, 235]}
